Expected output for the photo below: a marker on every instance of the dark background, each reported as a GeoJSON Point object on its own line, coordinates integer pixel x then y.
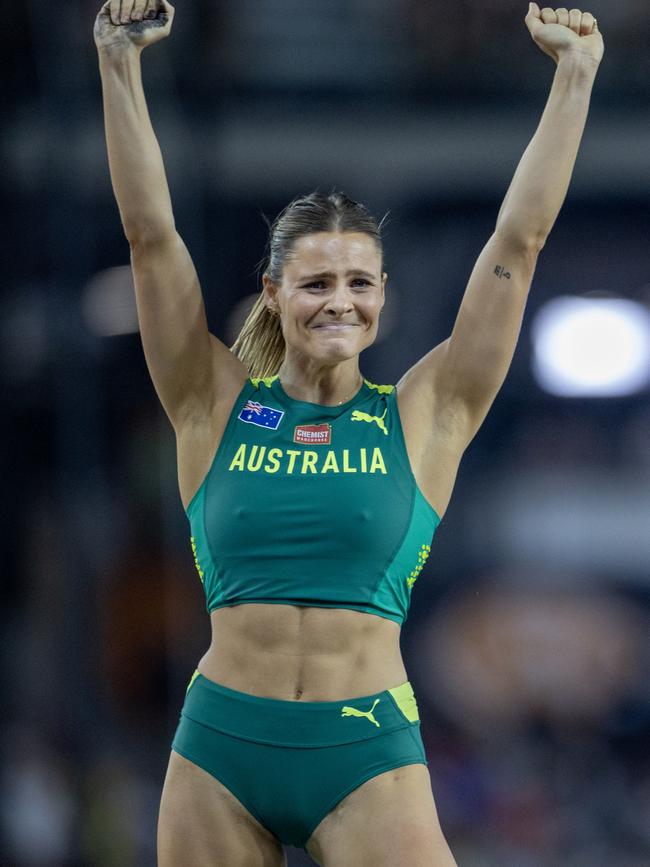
{"type": "Point", "coordinates": [527, 637]}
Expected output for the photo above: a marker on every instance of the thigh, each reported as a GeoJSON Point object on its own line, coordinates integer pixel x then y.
{"type": "Point", "coordinates": [202, 824]}
{"type": "Point", "coordinates": [388, 821]}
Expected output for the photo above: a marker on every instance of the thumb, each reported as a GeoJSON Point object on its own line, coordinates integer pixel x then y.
{"type": "Point", "coordinates": [533, 18]}
{"type": "Point", "coordinates": [105, 12]}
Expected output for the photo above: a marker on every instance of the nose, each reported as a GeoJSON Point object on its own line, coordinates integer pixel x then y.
{"type": "Point", "coordinates": [340, 301]}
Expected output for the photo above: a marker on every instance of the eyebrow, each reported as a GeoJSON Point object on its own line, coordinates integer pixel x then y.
{"type": "Point", "coordinates": [357, 271]}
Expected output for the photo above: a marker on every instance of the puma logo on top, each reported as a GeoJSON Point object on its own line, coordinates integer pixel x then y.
{"type": "Point", "coordinates": [358, 415]}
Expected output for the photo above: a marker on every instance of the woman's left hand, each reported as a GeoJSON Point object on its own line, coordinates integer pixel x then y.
{"type": "Point", "coordinates": [558, 31]}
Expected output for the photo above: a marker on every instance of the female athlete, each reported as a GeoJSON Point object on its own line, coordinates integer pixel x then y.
{"type": "Point", "coordinates": [312, 493]}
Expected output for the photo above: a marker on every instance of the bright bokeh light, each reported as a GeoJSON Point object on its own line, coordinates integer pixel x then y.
{"type": "Point", "coordinates": [591, 347]}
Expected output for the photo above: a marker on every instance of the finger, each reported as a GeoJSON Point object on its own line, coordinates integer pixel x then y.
{"type": "Point", "coordinates": [138, 10]}
{"type": "Point", "coordinates": [575, 19]}
{"type": "Point", "coordinates": [168, 10]}
{"type": "Point", "coordinates": [150, 9]}
{"type": "Point", "coordinates": [562, 16]}
{"type": "Point", "coordinates": [115, 12]}
{"type": "Point", "coordinates": [587, 24]}
{"type": "Point", "coordinates": [548, 15]}
{"type": "Point", "coordinates": [125, 13]}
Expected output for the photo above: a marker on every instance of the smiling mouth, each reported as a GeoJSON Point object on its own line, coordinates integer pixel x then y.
{"type": "Point", "coordinates": [336, 327]}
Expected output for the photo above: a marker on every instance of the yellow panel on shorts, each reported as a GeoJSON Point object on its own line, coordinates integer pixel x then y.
{"type": "Point", "coordinates": [193, 678]}
{"type": "Point", "coordinates": [405, 700]}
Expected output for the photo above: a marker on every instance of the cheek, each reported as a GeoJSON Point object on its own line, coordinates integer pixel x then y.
{"type": "Point", "coordinates": [299, 316]}
{"type": "Point", "coordinates": [371, 307]}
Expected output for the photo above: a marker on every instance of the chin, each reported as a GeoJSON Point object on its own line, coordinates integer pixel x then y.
{"type": "Point", "coordinates": [337, 353]}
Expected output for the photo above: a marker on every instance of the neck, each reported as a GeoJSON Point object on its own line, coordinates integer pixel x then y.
{"type": "Point", "coordinates": [330, 394]}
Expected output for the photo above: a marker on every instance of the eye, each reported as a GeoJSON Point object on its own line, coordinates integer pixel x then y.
{"type": "Point", "coordinates": [320, 282]}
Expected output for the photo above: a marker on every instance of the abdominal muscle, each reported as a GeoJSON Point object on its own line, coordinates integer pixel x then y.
{"type": "Point", "coordinates": [294, 653]}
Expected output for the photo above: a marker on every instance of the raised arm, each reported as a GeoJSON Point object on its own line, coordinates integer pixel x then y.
{"type": "Point", "coordinates": [186, 363]}
{"type": "Point", "coordinates": [467, 370]}
{"type": "Point", "coordinates": [134, 157]}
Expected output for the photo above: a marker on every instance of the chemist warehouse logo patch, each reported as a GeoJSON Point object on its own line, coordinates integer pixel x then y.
{"type": "Point", "coordinates": [263, 416]}
{"type": "Point", "coordinates": [313, 434]}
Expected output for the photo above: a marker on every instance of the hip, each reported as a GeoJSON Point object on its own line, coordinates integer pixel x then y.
{"type": "Point", "coordinates": [303, 724]}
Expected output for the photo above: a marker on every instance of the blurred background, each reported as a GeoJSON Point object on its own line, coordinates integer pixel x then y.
{"type": "Point", "coordinates": [526, 641]}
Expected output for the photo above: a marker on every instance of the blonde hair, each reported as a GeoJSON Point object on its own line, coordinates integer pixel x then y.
{"type": "Point", "coordinates": [260, 344]}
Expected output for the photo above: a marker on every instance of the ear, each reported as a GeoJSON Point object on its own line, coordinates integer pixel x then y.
{"type": "Point", "coordinates": [270, 291]}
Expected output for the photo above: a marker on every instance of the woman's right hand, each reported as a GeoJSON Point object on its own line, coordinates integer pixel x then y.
{"type": "Point", "coordinates": [140, 23]}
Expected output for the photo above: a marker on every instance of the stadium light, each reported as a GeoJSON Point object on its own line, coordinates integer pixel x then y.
{"type": "Point", "coordinates": [591, 347]}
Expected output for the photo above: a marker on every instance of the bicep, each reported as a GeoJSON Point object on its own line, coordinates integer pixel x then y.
{"type": "Point", "coordinates": [472, 363]}
{"type": "Point", "coordinates": [452, 387]}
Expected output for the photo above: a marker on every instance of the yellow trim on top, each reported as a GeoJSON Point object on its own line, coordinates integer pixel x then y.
{"type": "Point", "coordinates": [267, 380]}
{"type": "Point", "coordinates": [382, 389]}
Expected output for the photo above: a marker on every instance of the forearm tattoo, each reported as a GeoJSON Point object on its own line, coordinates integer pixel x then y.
{"type": "Point", "coordinates": [501, 272]}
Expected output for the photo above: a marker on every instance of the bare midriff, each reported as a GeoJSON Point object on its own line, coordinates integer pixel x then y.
{"type": "Point", "coordinates": [295, 653]}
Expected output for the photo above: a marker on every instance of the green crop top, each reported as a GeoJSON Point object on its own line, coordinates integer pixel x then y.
{"type": "Point", "coordinates": [311, 505]}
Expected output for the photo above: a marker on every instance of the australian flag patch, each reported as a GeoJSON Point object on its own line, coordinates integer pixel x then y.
{"type": "Point", "coordinates": [263, 416]}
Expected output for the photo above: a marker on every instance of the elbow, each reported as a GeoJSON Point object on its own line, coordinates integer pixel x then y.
{"type": "Point", "coordinates": [150, 236]}
{"type": "Point", "coordinates": [537, 243]}
{"type": "Point", "coordinates": [529, 241]}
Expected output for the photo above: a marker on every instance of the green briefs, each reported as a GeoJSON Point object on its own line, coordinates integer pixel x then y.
{"type": "Point", "coordinates": [291, 762]}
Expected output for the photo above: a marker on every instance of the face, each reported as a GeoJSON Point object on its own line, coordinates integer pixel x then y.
{"type": "Point", "coordinates": [331, 293]}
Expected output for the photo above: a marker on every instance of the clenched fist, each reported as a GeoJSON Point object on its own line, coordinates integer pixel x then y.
{"type": "Point", "coordinates": [128, 23]}
{"type": "Point", "coordinates": [558, 31]}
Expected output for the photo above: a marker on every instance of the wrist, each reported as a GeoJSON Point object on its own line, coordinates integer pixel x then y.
{"type": "Point", "coordinates": [579, 61]}
{"type": "Point", "coordinates": [118, 51]}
